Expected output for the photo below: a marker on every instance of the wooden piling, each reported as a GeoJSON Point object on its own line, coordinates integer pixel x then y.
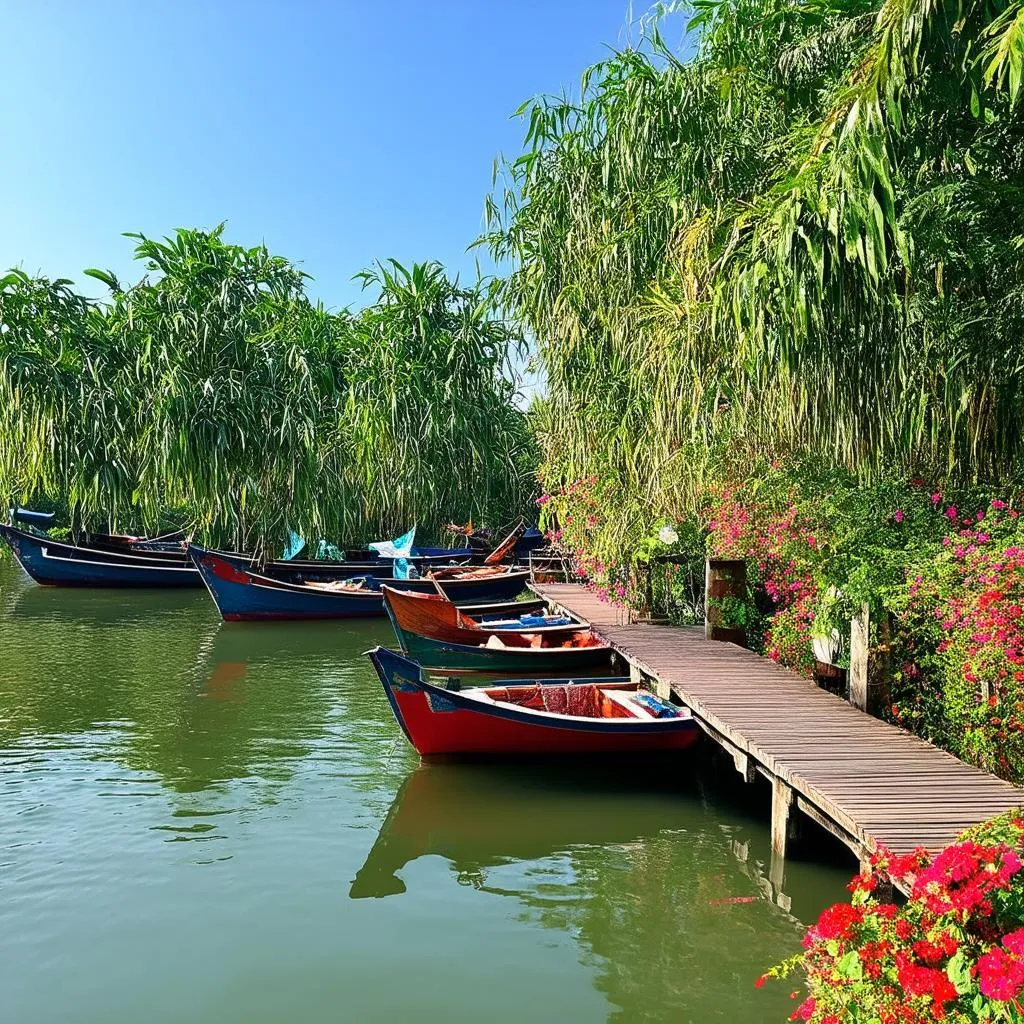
{"type": "Point", "coordinates": [782, 803]}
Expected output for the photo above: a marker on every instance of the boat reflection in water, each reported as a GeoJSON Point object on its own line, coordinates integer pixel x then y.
{"type": "Point", "coordinates": [641, 875]}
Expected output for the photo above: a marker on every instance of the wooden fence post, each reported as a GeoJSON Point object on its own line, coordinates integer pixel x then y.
{"type": "Point", "coordinates": [860, 627]}
{"type": "Point", "coordinates": [708, 627]}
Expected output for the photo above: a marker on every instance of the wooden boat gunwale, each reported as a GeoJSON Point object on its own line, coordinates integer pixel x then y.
{"type": "Point", "coordinates": [150, 559]}
{"type": "Point", "coordinates": [471, 701]}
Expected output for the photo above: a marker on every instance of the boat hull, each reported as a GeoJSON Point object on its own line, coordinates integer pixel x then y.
{"type": "Point", "coordinates": [243, 595]}
{"type": "Point", "coordinates": [56, 564]}
{"type": "Point", "coordinates": [440, 722]}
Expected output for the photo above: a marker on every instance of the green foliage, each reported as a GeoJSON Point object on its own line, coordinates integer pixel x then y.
{"type": "Point", "coordinates": [806, 238]}
{"type": "Point", "coordinates": [214, 386]}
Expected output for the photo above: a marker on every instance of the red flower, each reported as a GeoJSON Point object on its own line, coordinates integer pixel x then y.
{"type": "Point", "coordinates": [805, 1010]}
{"type": "Point", "coordinates": [924, 981]}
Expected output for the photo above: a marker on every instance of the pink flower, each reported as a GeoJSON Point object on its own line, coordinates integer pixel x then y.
{"type": "Point", "coordinates": [898, 515]}
{"type": "Point", "coordinates": [805, 1011]}
{"type": "Point", "coordinates": [951, 513]}
{"type": "Point", "coordinates": [1000, 975]}
{"type": "Point", "coordinates": [998, 505]}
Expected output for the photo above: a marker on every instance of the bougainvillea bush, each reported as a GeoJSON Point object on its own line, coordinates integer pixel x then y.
{"type": "Point", "coordinates": [953, 952]}
{"type": "Point", "coordinates": [942, 574]}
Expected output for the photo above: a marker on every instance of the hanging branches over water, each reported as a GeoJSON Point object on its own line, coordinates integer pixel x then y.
{"type": "Point", "coordinates": [808, 236]}
{"type": "Point", "coordinates": [215, 387]}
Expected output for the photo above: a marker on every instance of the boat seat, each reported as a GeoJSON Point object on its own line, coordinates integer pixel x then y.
{"type": "Point", "coordinates": [624, 699]}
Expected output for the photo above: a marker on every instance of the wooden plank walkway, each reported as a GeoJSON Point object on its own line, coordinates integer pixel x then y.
{"type": "Point", "coordinates": [868, 782]}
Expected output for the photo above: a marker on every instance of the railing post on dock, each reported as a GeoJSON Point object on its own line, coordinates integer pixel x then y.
{"type": "Point", "coordinates": [860, 628]}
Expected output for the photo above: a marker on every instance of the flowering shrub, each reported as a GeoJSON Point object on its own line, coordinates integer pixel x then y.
{"type": "Point", "coordinates": [946, 570]}
{"type": "Point", "coordinates": [779, 547]}
{"type": "Point", "coordinates": [960, 679]}
{"type": "Point", "coordinates": [954, 952]}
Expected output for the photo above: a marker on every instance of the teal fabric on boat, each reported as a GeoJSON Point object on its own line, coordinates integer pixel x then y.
{"type": "Point", "coordinates": [295, 545]}
{"type": "Point", "coordinates": [405, 570]}
{"type": "Point", "coordinates": [400, 547]}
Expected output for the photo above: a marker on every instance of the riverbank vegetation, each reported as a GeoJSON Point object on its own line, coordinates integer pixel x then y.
{"type": "Point", "coordinates": [214, 391]}
{"type": "Point", "coordinates": [777, 283]}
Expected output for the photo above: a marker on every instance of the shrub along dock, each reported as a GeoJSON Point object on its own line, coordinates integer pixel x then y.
{"type": "Point", "coordinates": [865, 781]}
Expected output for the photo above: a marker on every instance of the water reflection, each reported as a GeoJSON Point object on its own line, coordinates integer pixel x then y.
{"type": "Point", "coordinates": [160, 768]}
{"type": "Point", "coordinates": [192, 700]}
{"type": "Point", "coordinates": [637, 866]}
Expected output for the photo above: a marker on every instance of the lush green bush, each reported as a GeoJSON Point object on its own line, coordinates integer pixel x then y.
{"type": "Point", "coordinates": [214, 385]}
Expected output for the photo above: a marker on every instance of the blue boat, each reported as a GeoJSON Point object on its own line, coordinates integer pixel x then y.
{"type": "Point", "coordinates": [53, 563]}
{"type": "Point", "coordinates": [315, 570]}
{"type": "Point", "coordinates": [244, 593]}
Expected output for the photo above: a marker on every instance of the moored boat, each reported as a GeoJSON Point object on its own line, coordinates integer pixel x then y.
{"type": "Point", "coordinates": [480, 542]}
{"type": "Point", "coordinates": [242, 593]}
{"type": "Point", "coordinates": [530, 719]}
{"type": "Point", "coordinates": [435, 616]}
{"type": "Point", "coordinates": [56, 563]}
{"type": "Point", "coordinates": [435, 633]}
{"type": "Point", "coordinates": [315, 570]}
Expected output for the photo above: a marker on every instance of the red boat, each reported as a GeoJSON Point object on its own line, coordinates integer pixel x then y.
{"type": "Point", "coordinates": [586, 717]}
{"type": "Point", "coordinates": [433, 631]}
{"type": "Point", "coordinates": [438, 617]}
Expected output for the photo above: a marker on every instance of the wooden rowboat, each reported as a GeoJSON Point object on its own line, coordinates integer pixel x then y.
{"type": "Point", "coordinates": [435, 616]}
{"type": "Point", "coordinates": [433, 632]}
{"type": "Point", "coordinates": [317, 570]}
{"type": "Point", "coordinates": [531, 719]}
{"type": "Point", "coordinates": [59, 564]}
{"type": "Point", "coordinates": [242, 593]}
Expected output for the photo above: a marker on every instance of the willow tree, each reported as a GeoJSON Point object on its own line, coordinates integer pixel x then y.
{"type": "Point", "coordinates": [432, 404]}
{"type": "Point", "coordinates": [806, 236]}
{"type": "Point", "coordinates": [214, 387]}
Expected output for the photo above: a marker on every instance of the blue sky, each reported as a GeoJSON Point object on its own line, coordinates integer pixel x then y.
{"type": "Point", "coordinates": [335, 132]}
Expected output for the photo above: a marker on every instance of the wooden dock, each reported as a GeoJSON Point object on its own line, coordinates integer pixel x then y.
{"type": "Point", "coordinates": [868, 782]}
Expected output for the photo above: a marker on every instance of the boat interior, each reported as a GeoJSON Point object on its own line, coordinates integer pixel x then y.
{"type": "Point", "coordinates": [586, 700]}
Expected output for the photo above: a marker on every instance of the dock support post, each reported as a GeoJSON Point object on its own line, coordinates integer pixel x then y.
{"type": "Point", "coordinates": [859, 632]}
{"type": "Point", "coordinates": [782, 802]}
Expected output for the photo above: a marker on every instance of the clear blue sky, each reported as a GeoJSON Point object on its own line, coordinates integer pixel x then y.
{"type": "Point", "coordinates": [336, 132]}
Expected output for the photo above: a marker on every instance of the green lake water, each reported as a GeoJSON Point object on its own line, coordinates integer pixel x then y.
{"type": "Point", "coordinates": [212, 822]}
